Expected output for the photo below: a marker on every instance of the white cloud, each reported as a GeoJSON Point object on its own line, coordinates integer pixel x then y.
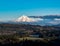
{"type": "Point", "coordinates": [55, 21]}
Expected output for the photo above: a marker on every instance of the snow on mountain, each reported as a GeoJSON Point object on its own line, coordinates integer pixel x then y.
{"type": "Point", "coordinates": [27, 19]}
{"type": "Point", "coordinates": [34, 21]}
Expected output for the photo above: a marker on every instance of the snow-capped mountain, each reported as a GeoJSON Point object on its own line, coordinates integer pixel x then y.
{"type": "Point", "coordinates": [27, 19]}
{"type": "Point", "coordinates": [37, 20]}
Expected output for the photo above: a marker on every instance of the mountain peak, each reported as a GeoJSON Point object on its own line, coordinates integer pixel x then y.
{"type": "Point", "coordinates": [25, 19]}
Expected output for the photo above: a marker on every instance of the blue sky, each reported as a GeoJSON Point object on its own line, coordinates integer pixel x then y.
{"type": "Point", "coordinates": [12, 9]}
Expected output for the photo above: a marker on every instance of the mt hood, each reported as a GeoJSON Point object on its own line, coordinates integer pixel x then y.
{"type": "Point", "coordinates": [27, 19]}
